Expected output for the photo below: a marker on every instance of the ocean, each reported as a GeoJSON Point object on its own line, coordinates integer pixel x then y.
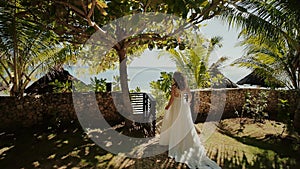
{"type": "Point", "coordinates": [138, 76]}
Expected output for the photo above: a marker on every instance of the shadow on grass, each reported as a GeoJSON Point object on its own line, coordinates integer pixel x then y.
{"type": "Point", "coordinates": [276, 153]}
{"type": "Point", "coordinates": [47, 148]}
{"type": "Point", "coordinates": [68, 147]}
{"type": "Point", "coordinates": [259, 161]}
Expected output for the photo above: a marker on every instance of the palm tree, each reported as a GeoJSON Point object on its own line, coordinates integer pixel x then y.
{"type": "Point", "coordinates": [270, 59]}
{"type": "Point", "coordinates": [25, 49]}
{"type": "Point", "coordinates": [194, 61]}
{"type": "Point", "coordinates": [274, 26]}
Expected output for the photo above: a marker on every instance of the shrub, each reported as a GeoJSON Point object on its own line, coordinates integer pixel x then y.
{"type": "Point", "coordinates": [161, 90]}
{"type": "Point", "coordinates": [285, 115]}
{"type": "Point", "coordinates": [255, 106]}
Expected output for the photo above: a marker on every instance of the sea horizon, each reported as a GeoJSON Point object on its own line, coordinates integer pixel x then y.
{"type": "Point", "coordinates": [139, 76]}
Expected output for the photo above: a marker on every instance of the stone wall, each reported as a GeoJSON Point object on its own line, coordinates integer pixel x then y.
{"type": "Point", "coordinates": [54, 108]}
{"type": "Point", "coordinates": [232, 100]}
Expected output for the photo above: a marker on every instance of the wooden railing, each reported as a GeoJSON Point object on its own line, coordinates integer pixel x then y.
{"type": "Point", "coordinates": [144, 104]}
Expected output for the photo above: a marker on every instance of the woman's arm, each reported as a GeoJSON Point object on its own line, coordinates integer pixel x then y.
{"type": "Point", "coordinates": [171, 98]}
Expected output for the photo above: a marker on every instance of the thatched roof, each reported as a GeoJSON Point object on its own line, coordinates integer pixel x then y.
{"type": "Point", "coordinates": [255, 78]}
{"type": "Point", "coordinates": [42, 85]}
{"type": "Point", "coordinates": [223, 81]}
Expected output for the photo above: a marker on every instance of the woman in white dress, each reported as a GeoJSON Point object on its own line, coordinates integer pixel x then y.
{"type": "Point", "coordinates": [178, 131]}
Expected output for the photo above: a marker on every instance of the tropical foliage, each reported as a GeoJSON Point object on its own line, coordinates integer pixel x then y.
{"type": "Point", "coordinates": [255, 106]}
{"type": "Point", "coordinates": [271, 33]}
{"type": "Point", "coordinates": [164, 84]}
{"type": "Point", "coordinates": [26, 49]}
{"type": "Point", "coordinates": [269, 60]}
{"type": "Point", "coordinates": [194, 61]}
{"type": "Point", "coordinates": [77, 20]}
{"type": "Point", "coordinates": [98, 85]}
{"type": "Point", "coordinates": [61, 87]}
{"type": "Point", "coordinates": [161, 90]}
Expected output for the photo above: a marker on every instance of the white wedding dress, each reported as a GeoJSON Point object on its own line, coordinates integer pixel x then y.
{"type": "Point", "coordinates": [179, 133]}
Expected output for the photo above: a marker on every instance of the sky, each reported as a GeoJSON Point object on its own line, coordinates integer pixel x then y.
{"type": "Point", "coordinates": [212, 28]}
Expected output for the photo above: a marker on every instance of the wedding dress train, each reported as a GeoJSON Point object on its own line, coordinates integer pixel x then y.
{"type": "Point", "coordinates": [179, 133]}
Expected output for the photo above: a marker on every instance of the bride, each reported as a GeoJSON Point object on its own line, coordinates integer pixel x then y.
{"type": "Point", "coordinates": [178, 131]}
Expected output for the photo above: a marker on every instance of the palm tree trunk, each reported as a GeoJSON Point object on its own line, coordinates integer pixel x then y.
{"type": "Point", "coordinates": [15, 79]}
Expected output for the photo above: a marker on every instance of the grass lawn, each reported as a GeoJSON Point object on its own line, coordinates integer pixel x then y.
{"type": "Point", "coordinates": [257, 146]}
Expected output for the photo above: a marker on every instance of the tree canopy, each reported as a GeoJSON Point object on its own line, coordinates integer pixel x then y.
{"type": "Point", "coordinates": [271, 33]}
{"type": "Point", "coordinates": [76, 21]}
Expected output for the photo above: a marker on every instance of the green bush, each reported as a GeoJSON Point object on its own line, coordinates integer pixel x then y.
{"type": "Point", "coordinates": [61, 87]}
{"type": "Point", "coordinates": [98, 85]}
{"type": "Point", "coordinates": [285, 115]}
{"type": "Point", "coordinates": [161, 90]}
{"type": "Point", "coordinates": [255, 106]}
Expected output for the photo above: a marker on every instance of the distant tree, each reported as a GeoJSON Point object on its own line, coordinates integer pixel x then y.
{"type": "Point", "coordinates": [26, 49]}
{"type": "Point", "coordinates": [194, 61]}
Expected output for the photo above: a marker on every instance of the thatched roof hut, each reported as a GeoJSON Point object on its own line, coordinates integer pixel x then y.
{"type": "Point", "coordinates": [222, 81]}
{"type": "Point", "coordinates": [255, 78]}
{"type": "Point", "coordinates": [42, 85]}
